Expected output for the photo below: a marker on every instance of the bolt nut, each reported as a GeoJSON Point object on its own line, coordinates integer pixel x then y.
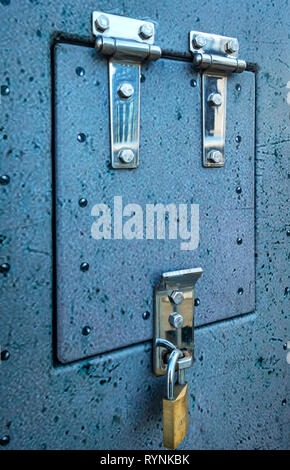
{"type": "Point", "coordinates": [126, 155]}
{"type": "Point", "coordinates": [176, 297]}
{"type": "Point", "coordinates": [146, 31]}
{"type": "Point", "coordinates": [102, 23]}
{"type": "Point", "coordinates": [215, 156]}
{"type": "Point", "coordinates": [199, 41]}
{"type": "Point", "coordinates": [215, 99]}
{"type": "Point", "coordinates": [176, 320]}
{"type": "Point", "coordinates": [232, 45]}
{"type": "Point", "coordinates": [126, 90]}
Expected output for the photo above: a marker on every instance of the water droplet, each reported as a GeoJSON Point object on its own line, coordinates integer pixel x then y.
{"type": "Point", "coordinates": [284, 402]}
{"type": "Point", "coordinates": [240, 291]}
{"type": "Point", "coordinates": [238, 189]}
{"type": "Point", "coordinates": [196, 302]}
{"type": "Point", "coordinates": [84, 267]}
{"type": "Point", "coordinates": [143, 78]}
{"type": "Point", "coordinates": [5, 90]}
{"type": "Point", "coordinates": [145, 315]}
{"type": "Point", "coordinates": [86, 330]}
{"type": "Point", "coordinates": [285, 346]}
{"type": "Point", "coordinates": [239, 241]}
{"type": "Point", "coordinates": [4, 267]}
{"type": "Point", "coordinates": [81, 137]}
{"type": "Point", "coordinates": [193, 83]}
{"type": "Point", "coordinates": [238, 87]}
{"type": "Point", "coordinates": [288, 233]}
{"type": "Point", "coordinates": [4, 440]}
{"type": "Point", "coordinates": [80, 71]}
{"type": "Point", "coordinates": [4, 179]}
{"type": "Point", "coordinates": [83, 202]}
{"type": "Point", "coordinates": [238, 139]}
{"type": "Point", "coordinates": [5, 355]}
{"type": "Point", "coordinates": [286, 291]}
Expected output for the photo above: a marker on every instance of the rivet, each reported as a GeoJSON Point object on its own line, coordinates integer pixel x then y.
{"type": "Point", "coordinates": [5, 355]}
{"type": "Point", "coordinates": [284, 402]}
{"type": "Point", "coordinates": [5, 90]}
{"type": "Point", "coordinates": [4, 268]}
{"type": "Point", "coordinates": [238, 139]}
{"type": "Point", "coordinates": [240, 291]}
{"type": "Point", "coordinates": [83, 202]}
{"type": "Point", "coordinates": [102, 23]}
{"type": "Point", "coordinates": [81, 137]}
{"type": "Point", "coordinates": [238, 87]}
{"type": "Point", "coordinates": [196, 302]}
{"type": "Point", "coordinates": [199, 41]}
{"type": "Point", "coordinates": [4, 179]}
{"type": "Point", "coordinates": [285, 346]}
{"type": "Point", "coordinates": [145, 315]}
{"type": "Point", "coordinates": [4, 440]}
{"type": "Point", "coordinates": [143, 78]}
{"type": "Point", "coordinates": [126, 90]}
{"type": "Point", "coordinates": [86, 330]}
{"type": "Point", "coordinates": [239, 241]}
{"type": "Point", "coordinates": [126, 155]}
{"type": "Point", "coordinates": [193, 82]}
{"type": "Point", "coordinates": [84, 267]}
{"type": "Point", "coordinates": [80, 71]}
{"type": "Point", "coordinates": [238, 189]}
{"type": "Point", "coordinates": [288, 233]}
{"type": "Point", "coordinates": [146, 31]}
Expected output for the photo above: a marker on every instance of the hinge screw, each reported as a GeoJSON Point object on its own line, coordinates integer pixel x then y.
{"type": "Point", "coordinates": [126, 155]}
{"type": "Point", "coordinates": [232, 46]}
{"type": "Point", "coordinates": [102, 23]}
{"type": "Point", "coordinates": [126, 90]}
{"type": "Point", "coordinates": [199, 41]}
{"type": "Point", "coordinates": [215, 99]}
{"type": "Point", "coordinates": [146, 31]}
{"type": "Point", "coordinates": [215, 156]}
{"type": "Point", "coordinates": [176, 320]}
{"type": "Point", "coordinates": [176, 297]}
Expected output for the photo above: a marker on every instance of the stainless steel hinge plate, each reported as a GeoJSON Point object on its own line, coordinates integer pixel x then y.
{"type": "Point", "coordinates": [174, 315]}
{"type": "Point", "coordinates": [127, 42]}
{"type": "Point", "coordinates": [216, 57]}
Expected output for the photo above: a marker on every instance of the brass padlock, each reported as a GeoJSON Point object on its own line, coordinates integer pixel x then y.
{"type": "Point", "coordinates": [175, 406]}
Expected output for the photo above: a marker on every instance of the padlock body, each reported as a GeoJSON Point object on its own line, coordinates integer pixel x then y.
{"type": "Point", "coordinates": [175, 417]}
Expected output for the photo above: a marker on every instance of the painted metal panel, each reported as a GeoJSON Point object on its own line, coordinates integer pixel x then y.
{"type": "Point", "coordinates": [112, 296]}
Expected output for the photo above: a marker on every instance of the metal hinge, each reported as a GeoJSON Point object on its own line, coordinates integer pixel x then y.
{"type": "Point", "coordinates": [127, 42]}
{"type": "Point", "coordinates": [216, 57]}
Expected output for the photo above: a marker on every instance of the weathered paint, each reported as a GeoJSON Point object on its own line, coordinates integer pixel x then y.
{"type": "Point", "coordinates": [238, 385]}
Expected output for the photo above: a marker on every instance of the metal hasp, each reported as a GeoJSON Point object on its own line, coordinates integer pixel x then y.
{"type": "Point", "coordinates": [127, 42]}
{"type": "Point", "coordinates": [174, 319]}
{"type": "Point", "coordinates": [216, 57]}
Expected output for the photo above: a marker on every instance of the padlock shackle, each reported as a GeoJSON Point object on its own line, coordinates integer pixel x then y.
{"type": "Point", "coordinates": [174, 356]}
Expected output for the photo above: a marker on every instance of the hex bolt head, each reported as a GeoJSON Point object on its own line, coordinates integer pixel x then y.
{"type": "Point", "coordinates": [199, 41]}
{"type": "Point", "coordinates": [176, 320]}
{"type": "Point", "coordinates": [126, 90]}
{"type": "Point", "coordinates": [126, 155]}
{"type": "Point", "coordinates": [146, 31]}
{"type": "Point", "coordinates": [215, 156]}
{"type": "Point", "coordinates": [232, 46]}
{"type": "Point", "coordinates": [215, 99]}
{"type": "Point", "coordinates": [176, 297]}
{"type": "Point", "coordinates": [102, 23]}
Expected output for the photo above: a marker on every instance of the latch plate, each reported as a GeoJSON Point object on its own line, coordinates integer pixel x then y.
{"type": "Point", "coordinates": [215, 56]}
{"type": "Point", "coordinates": [128, 42]}
{"type": "Point", "coordinates": [182, 282]}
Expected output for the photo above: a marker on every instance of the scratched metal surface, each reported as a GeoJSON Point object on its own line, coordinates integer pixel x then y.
{"type": "Point", "coordinates": [117, 289]}
{"type": "Point", "coordinates": [240, 377]}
